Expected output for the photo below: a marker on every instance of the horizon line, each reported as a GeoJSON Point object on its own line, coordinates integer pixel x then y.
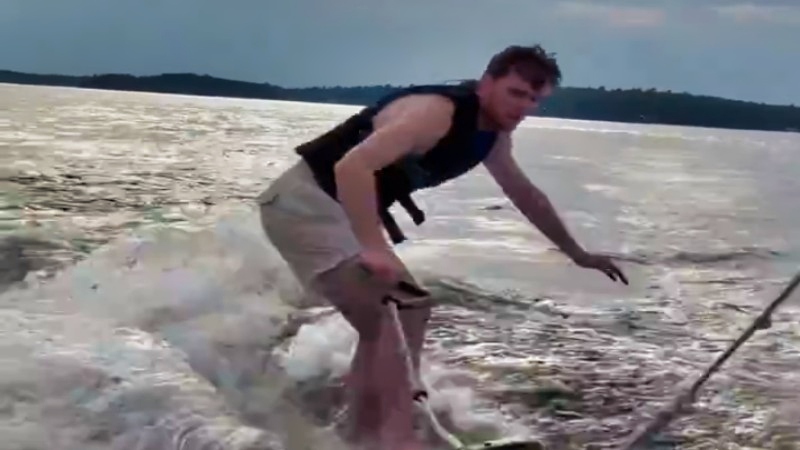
{"type": "Point", "coordinates": [326, 86]}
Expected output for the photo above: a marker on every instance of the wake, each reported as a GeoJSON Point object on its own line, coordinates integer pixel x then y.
{"type": "Point", "coordinates": [182, 339]}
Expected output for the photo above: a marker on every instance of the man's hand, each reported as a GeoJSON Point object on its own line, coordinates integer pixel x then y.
{"type": "Point", "coordinates": [602, 263]}
{"type": "Point", "coordinates": [383, 264]}
{"type": "Point", "coordinates": [536, 207]}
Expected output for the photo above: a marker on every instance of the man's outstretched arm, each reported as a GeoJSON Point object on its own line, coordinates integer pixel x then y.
{"type": "Point", "coordinates": [530, 200]}
{"type": "Point", "coordinates": [537, 208]}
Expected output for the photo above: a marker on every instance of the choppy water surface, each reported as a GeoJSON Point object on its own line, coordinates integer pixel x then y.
{"type": "Point", "coordinates": [143, 309]}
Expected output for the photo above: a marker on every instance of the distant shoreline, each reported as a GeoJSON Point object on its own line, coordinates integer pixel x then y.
{"type": "Point", "coordinates": [595, 104]}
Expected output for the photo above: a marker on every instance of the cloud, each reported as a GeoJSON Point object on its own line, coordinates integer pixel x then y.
{"type": "Point", "coordinates": [752, 13]}
{"type": "Point", "coordinates": [620, 16]}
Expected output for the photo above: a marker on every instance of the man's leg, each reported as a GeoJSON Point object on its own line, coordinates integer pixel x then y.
{"type": "Point", "coordinates": [397, 395]}
{"type": "Point", "coordinates": [381, 405]}
{"type": "Point", "coordinates": [312, 232]}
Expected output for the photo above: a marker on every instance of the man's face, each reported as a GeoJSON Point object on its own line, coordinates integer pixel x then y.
{"type": "Point", "coordinates": [507, 100]}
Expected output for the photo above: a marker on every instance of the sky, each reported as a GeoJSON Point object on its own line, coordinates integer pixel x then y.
{"type": "Point", "coordinates": [728, 48]}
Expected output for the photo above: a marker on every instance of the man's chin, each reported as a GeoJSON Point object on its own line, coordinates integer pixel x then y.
{"type": "Point", "coordinates": [506, 125]}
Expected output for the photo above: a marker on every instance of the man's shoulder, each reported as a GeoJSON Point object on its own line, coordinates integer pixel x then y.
{"type": "Point", "coordinates": [425, 111]}
{"type": "Point", "coordinates": [427, 98]}
{"type": "Point", "coordinates": [430, 107]}
{"type": "Point", "coordinates": [423, 103]}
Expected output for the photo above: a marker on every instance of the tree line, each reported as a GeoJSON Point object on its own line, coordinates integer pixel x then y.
{"type": "Point", "coordinates": [616, 105]}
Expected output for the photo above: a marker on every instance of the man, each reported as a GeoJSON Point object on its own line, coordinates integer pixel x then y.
{"type": "Point", "coordinates": [325, 214]}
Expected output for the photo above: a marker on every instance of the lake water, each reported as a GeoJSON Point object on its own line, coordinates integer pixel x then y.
{"type": "Point", "coordinates": [142, 308]}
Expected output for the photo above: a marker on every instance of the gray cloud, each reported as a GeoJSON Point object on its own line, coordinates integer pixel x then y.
{"type": "Point", "coordinates": [777, 14]}
{"type": "Point", "coordinates": [717, 47]}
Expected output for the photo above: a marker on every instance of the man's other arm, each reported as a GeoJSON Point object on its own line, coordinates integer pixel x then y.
{"type": "Point", "coordinates": [529, 199]}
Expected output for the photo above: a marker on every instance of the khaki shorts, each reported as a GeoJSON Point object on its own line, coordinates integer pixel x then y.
{"type": "Point", "coordinates": [308, 228]}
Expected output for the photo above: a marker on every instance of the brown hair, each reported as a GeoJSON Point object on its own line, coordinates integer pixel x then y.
{"type": "Point", "coordinates": [532, 63]}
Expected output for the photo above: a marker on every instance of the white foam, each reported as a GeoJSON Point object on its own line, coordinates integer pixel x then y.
{"type": "Point", "coordinates": [453, 393]}
{"type": "Point", "coordinates": [322, 349]}
{"type": "Point", "coordinates": [220, 299]}
{"type": "Point", "coordinates": [167, 314]}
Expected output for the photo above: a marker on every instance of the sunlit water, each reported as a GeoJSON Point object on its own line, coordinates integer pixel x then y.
{"type": "Point", "coordinates": [144, 309]}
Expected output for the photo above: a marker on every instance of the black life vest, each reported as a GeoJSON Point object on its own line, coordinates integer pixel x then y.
{"type": "Point", "coordinates": [460, 150]}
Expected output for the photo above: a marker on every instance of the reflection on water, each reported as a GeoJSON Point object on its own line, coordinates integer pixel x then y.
{"type": "Point", "coordinates": [701, 220]}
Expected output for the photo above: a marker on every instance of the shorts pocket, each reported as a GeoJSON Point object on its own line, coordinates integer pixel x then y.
{"type": "Point", "coordinates": [298, 203]}
{"type": "Point", "coordinates": [267, 198]}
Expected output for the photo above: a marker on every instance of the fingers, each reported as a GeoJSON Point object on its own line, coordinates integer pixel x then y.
{"type": "Point", "coordinates": [612, 271]}
{"type": "Point", "coordinates": [412, 289]}
{"type": "Point", "coordinates": [621, 276]}
{"type": "Point", "coordinates": [604, 264]}
{"type": "Point", "coordinates": [615, 274]}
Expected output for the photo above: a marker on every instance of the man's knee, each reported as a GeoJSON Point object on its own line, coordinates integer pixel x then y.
{"type": "Point", "coordinates": [414, 323]}
{"type": "Point", "coordinates": [417, 317]}
{"type": "Point", "coordinates": [369, 323]}
{"type": "Point", "coordinates": [355, 298]}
